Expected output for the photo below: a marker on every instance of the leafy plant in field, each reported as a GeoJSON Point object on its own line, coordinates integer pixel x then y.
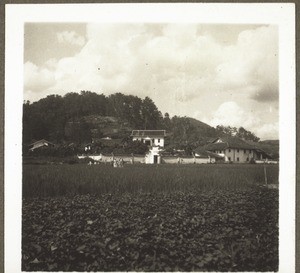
{"type": "Point", "coordinates": [216, 230]}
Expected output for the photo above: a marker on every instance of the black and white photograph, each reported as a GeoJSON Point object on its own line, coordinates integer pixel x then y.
{"type": "Point", "coordinates": [150, 138]}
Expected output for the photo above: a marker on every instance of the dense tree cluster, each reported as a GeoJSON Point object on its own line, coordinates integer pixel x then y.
{"type": "Point", "coordinates": [74, 118]}
{"type": "Point", "coordinates": [60, 118]}
{"type": "Point", "coordinates": [238, 132]}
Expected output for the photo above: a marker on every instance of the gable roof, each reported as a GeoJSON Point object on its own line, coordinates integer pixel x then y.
{"type": "Point", "coordinates": [39, 144]}
{"type": "Point", "coordinates": [40, 141]}
{"type": "Point", "coordinates": [222, 143]}
{"type": "Point", "coordinates": [233, 142]}
{"type": "Point", "coordinates": [202, 153]}
{"type": "Point", "coordinates": [148, 133]}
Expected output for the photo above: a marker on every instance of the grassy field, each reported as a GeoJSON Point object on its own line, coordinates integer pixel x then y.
{"type": "Point", "coordinates": [149, 218]}
{"type": "Point", "coordinates": [62, 180]}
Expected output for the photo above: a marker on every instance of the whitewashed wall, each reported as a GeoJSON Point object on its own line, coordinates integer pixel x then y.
{"type": "Point", "coordinates": [186, 160]}
{"type": "Point", "coordinates": [149, 159]}
{"type": "Point", "coordinates": [109, 158]}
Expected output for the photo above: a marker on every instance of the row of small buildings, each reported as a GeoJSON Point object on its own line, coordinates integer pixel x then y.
{"type": "Point", "coordinates": [221, 149]}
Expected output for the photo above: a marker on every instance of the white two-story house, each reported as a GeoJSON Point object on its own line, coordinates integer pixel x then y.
{"type": "Point", "coordinates": [234, 149]}
{"type": "Point", "coordinates": [155, 139]}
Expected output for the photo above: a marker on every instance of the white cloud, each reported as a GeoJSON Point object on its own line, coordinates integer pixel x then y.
{"type": "Point", "coordinates": [251, 66]}
{"type": "Point", "coordinates": [170, 58]}
{"type": "Point", "coordinates": [184, 69]}
{"type": "Point", "coordinates": [231, 114]}
{"type": "Point", "coordinates": [37, 79]}
{"type": "Point", "coordinates": [269, 131]}
{"type": "Point", "coordinates": [70, 37]}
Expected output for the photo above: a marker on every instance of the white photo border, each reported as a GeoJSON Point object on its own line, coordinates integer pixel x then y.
{"type": "Point", "coordinates": [280, 14]}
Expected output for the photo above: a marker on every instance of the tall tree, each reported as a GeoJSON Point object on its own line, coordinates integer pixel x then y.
{"type": "Point", "coordinates": [92, 103]}
{"type": "Point", "coordinates": [150, 114]}
{"type": "Point", "coordinates": [240, 132]}
{"type": "Point", "coordinates": [52, 113]}
{"type": "Point", "coordinates": [247, 135]}
{"type": "Point", "coordinates": [78, 131]}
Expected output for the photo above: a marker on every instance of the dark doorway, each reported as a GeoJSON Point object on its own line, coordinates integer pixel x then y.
{"type": "Point", "coordinates": [155, 159]}
{"type": "Point", "coordinates": [147, 142]}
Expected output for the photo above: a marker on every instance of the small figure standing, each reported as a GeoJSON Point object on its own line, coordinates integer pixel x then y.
{"type": "Point", "coordinates": [115, 164]}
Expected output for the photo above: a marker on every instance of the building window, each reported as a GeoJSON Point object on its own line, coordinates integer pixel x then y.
{"type": "Point", "coordinates": [249, 151]}
{"type": "Point", "coordinates": [237, 159]}
{"type": "Point", "coordinates": [229, 150]}
{"type": "Point", "coordinates": [237, 150]}
{"type": "Point", "coordinates": [229, 158]}
{"type": "Point", "coordinates": [245, 151]}
{"type": "Point", "coordinates": [158, 140]}
{"type": "Point", "coordinates": [247, 158]}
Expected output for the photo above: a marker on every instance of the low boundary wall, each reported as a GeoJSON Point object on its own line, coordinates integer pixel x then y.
{"type": "Point", "coordinates": [109, 158]}
{"type": "Point", "coordinates": [141, 159]}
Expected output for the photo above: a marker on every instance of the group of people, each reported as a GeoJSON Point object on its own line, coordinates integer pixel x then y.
{"type": "Point", "coordinates": [115, 162]}
{"type": "Point", "coordinates": [118, 163]}
{"type": "Point", "coordinates": [91, 163]}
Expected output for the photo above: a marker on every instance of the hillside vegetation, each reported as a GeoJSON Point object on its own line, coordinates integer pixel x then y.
{"type": "Point", "coordinates": [88, 116]}
{"type": "Point", "coordinates": [81, 117]}
{"type": "Point", "coordinates": [269, 146]}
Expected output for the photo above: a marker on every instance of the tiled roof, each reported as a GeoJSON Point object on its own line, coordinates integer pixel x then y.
{"type": "Point", "coordinates": [148, 133]}
{"type": "Point", "coordinates": [227, 142]}
{"type": "Point", "coordinates": [40, 141]}
{"type": "Point", "coordinates": [235, 142]}
{"type": "Point", "coordinates": [202, 153]}
{"type": "Point", "coordinates": [216, 146]}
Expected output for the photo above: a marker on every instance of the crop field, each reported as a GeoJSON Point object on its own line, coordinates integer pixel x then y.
{"type": "Point", "coordinates": [149, 218]}
{"type": "Point", "coordinates": [62, 180]}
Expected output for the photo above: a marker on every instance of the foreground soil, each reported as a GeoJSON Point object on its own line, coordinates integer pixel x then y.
{"type": "Point", "coordinates": [179, 231]}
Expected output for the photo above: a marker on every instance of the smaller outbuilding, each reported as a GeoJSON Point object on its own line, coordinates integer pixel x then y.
{"type": "Point", "coordinates": [40, 144]}
{"type": "Point", "coordinates": [204, 156]}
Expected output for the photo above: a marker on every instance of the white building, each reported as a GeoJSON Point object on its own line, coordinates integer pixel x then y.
{"type": "Point", "coordinates": [150, 137]}
{"type": "Point", "coordinates": [155, 139]}
{"type": "Point", "coordinates": [233, 149]}
{"type": "Point", "coordinates": [39, 144]}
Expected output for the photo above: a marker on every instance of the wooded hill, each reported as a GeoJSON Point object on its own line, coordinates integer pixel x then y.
{"type": "Point", "coordinates": [80, 118]}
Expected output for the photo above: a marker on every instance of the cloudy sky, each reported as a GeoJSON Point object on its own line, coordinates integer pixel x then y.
{"type": "Point", "coordinates": [218, 74]}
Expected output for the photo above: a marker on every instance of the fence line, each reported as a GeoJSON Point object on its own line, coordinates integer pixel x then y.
{"type": "Point", "coordinates": [141, 159]}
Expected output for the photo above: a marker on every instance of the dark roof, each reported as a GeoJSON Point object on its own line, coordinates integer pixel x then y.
{"type": "Point", "coordinates": [259, 149]}
{"type": "Point", "coordinates": [227, 142]}
{"type": "Point", "coordinates": [216, 146]}
{"type": "Point", "coordinates": [235, 142]}
{"type": "Point", "coordinates": [263, 152]}
{"type": "Point", "coordinates": [148, 133]}
{"type": "Point", "coordinates": [202, 153]}
{"type": "Point", "coordinates": [41, 140]}
{"type": "Point", "coordinates": [214, 155]}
